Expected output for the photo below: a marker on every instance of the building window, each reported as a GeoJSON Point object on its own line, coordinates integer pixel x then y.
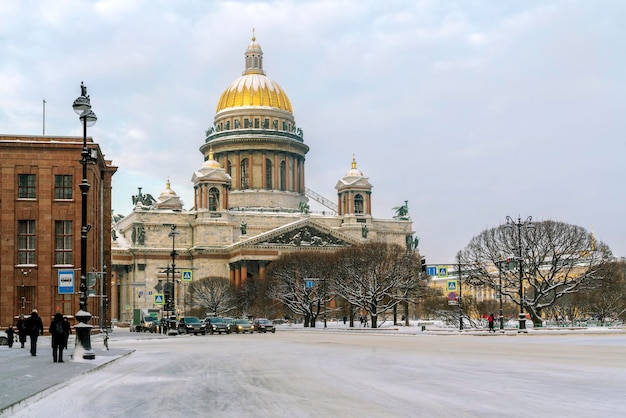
{"type": "Point", "coordinates": [63, 187]}
{"type": "Point", "coordinates": [268, 174]}
{"type": "Point", "coordinates": [229, 168]}
{"type": "Point", "coordinates": [26, 241]}
{"type": "Point", "coordinates": [246, 123]}
{"type": "Point", "coordinates": [283, 176]}
{"type": "Point", "coordinates": [284, 126]}
{"type": "Point", "coordinates": [256, 123]}
{"type": "Point", "coordinates": [266, 123]}
{"type": "Point", "coordinates": [237, 122]}
{"type": "Point", "coordinates": [244, 173]}
{"type": "Point", "coordinates": [214, 198]}
{"type": "Point", "coordinates": [227, 125]}
{"type": "Point", "coordinates": [26, 186]}
{"type": "Point", "coordinates": [358, 204]}
{"type": "Point", "coordinates": [63, 242]}
{"type": "Point", "coordinates": [256, 62]}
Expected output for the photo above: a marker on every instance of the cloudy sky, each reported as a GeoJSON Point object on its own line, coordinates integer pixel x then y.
{"type": "Point", "coordinates": [470, 110]}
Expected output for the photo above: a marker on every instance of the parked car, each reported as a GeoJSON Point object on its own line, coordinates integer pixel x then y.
{"type": "Point", "coordinates": [241, 325]}
{"type": "Point", "coordinates": [191, 324]}
{"type": "Point", "coordinates": [263, 325]}
{"type": "Point", "coordinates": [216, 324]}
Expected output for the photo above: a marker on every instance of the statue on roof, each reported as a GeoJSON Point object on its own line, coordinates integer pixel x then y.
{"type": "Point", "coordinates": [402, 212]}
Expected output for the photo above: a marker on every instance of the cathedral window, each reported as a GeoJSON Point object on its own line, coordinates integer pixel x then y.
{"type": "Point", "coordinates": [358, 204]}
{"type": "Point", "coordinates": [275, 123]}
{"type": "Point", "coordinates": [256, 122]}
{"type": "Point", "coordinates": [244, 174]}
{"type": "Point", "coordinates": [229, 168]}
{"type": "Point", "coordinates": [227, 126]}
{"type": "Point", "coordinates": [266, 123]}
{"type": "Point", "coordinates": [284, 126]}
{"type": "Point", "coordinates": [237, 123]}
{"type": "Point", "coordinates": [256, 62]}
{"type": "Point", "coordinates": [246, 123]}
{"type": "Point", "coordinates": [214, 198]}
{"type": "Point", "coordinates": [268, 174]}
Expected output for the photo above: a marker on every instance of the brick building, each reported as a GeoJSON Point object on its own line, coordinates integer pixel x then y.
{"type": "Point", "coordinates": [40, 232]}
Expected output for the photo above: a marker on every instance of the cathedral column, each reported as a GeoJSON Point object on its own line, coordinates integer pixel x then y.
{"type": "Point", "coordinates": [232, 273]}
{"type": "Point", "coordinates": [262, 265]}
{"type": "Point", "coordinates": [237, 173]}
{"type": "Point", "coordinates": [263, 169]}
{"type": "Point", "coordinates": [244, 272]}
{"type": "Point", "coordinates": [237, 275]}
{"type": "Point", "coordinates": [276, 185]}
{"type": "Point", "coordinates": [251, 171]}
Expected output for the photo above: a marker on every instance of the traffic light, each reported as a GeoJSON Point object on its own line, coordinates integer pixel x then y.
{"type": "Point", "coordinates": [423, 265]}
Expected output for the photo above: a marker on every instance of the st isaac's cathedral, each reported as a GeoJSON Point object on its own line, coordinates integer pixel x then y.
{"type": "Point", "coordinates": [250, 205]}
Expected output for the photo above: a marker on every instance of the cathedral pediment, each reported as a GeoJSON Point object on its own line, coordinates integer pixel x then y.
{"type": "Point", "coordinates": [304, 233]}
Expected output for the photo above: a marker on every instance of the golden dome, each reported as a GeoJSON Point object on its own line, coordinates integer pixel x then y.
{"type": "Point", "coordinates": [254, 88]}
{"type": "Point", "coordinates": [211, 163]}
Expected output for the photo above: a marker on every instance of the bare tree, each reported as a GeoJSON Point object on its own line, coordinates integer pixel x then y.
{"type": "Point", "coordinates": [608, 301]}
{"type": "Point", "coordinates": [376, 277]}
{"type": "Point", "coordinates": [556, 259]}
{"type": "Point", "coordinates": [212, 293]}
{"type": "Point", "coordinates": [301, 280]}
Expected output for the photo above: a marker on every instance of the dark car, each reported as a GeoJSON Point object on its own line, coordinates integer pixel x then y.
{"type": "Point", "coordinates": [216, 324]}
{"type": "Point", "coordinates": [263, 325]}
{"type": "Point", "coordinates": [241, 325]}
{"type": "Point", "coordinates": [191, 325]}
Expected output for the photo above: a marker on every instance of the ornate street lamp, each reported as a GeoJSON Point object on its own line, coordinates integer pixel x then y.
{"type": "Point", "coordinates": [173, 233]}
{"type": "Point", "coordinates": [527, 224]}
{"type": "Point", "coordinates": [82, 107]}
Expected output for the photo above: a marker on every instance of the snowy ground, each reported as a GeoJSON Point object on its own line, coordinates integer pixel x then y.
{"type": "Point", "coordinates": [333, 373]}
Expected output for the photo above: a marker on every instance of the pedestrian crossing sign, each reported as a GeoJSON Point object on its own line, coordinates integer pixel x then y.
{"type": "Point", "coordinates": [451, 285]}
{"type": "Point", "coordinates": [442, 271]}
{"type": "Point", "coordinates": [187, 275]}
{"type": "Point", "coordinates": [159, 299]}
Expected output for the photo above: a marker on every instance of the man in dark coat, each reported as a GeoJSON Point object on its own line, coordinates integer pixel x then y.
{"type": "Point", "coordinates": [10, 335]}
{"type": "Point", "coordinates": [34, 327]}
{"type": "Point", "coordinates": [58, 333]}
{"type": "Point", "coordinates": [21, 329]}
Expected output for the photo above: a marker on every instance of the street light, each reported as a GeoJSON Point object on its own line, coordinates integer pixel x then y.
{"type": "Point", "coordinates": [173, 233]}
{"type": "Point", "coordinates": [527, 224]}
{"type": "Point", "coordinates": [23, 305]}
{"type": "Point", "coordinates": [82, 107]}
{"type": "Point", "coordinates": [500, 293]}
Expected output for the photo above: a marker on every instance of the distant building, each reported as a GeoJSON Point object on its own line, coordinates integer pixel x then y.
{"type": "Point", "coordinates": [41, 223]}
{"type": "Point", "coordinates": [250, 205]}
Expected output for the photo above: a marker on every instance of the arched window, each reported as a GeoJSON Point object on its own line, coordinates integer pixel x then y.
{"type": "Point", "coordinates": [256, 62]}
{"type": "Point", "coordinates": [283, 176]}
{"type": "Point", "coordinates": [358, 203]}
{"type": "Point", "coordinates": [214, 199]}
{"type": "Point", "coordinates": [229, 169]}
{"type": "Point", "coordinates": [268, 174]}
{"type": "Point", "coordinates": [244, 173]}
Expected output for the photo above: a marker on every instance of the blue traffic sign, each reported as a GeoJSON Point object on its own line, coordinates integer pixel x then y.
{"type": "Point", "coordinates": [431, 270]}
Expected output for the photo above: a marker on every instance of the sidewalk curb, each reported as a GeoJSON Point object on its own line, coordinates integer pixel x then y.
{"type": "Point", "coordinates": [15, 407]}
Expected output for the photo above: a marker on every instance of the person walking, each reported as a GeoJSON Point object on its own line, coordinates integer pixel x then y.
{"type": "Point", "coordinates": [34, 327]}
{"type": "Point", "coordinates": [67, 329]}
{"type": "Point", "coordinates": [21, 329]}
{"type": "Point", "coordinates": [10, 335]}
{"type": "Point", "coordinates": [58, 333]}
{"type": "Point", "coordinates": [490, 321]}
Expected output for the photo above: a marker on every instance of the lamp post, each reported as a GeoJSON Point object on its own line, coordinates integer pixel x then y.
{"type": "Point", "coordinates": [527, 224]}
{"type": "Point", "coordinates": [82, 107]}
{"type": "Point", "coordinates": [172, 234]}
{"type": "Point", "coordinates": [23, 297]}
{"type": "Point", "coordinates": [500, 293]}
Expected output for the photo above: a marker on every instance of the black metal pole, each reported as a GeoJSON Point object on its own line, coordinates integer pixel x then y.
{"type": "Point", "coordinates": [522, 315]}
{"type": "Point", "coordinates": [500, 276]}
{"type": "Point", "coordinates": [83, 329]}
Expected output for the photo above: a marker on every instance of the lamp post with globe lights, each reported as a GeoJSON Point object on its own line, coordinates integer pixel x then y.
{"type": "Point", "coordinates": [82, 107]}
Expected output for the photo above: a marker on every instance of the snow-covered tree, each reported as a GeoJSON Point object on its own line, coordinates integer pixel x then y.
{"type": "Point", "coordinates": [301, 280]}
{"type": "Point", "coordinates": [212, 293]}
{"type": "Point", "coordinates": [556, 259]}
{"type": "Point", "coordinates": [376, 277]}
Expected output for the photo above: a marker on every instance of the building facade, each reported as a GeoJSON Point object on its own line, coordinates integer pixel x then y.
{"type": "Point", "coordinates": [250, 205]}
{"type": "Point", "coordinates": [40, 232]}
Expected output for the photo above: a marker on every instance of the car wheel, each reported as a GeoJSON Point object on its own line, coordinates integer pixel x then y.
{"type": "Point", "coordinates": [273, 331]}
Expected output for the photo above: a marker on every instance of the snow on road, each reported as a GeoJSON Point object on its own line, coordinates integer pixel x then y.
{"type": "Point", "coordinates": [325, 374]}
